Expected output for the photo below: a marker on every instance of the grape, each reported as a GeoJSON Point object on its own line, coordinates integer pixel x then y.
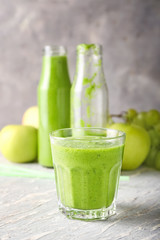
{"type": "Point", "coordinates": [155, 138]}
{"type": "Point", "coordinates": [152, 118]}
{"type": "Point", "coordinates": [157, 128]}
{"type": "Point", "coordinates": [157, 161]}
{"type": "Point", "coordinates": [151, 157]}
{"type": "Point", "coordinates": [130, 114]}
{"type": "Point", "coordinates": [140, 119]}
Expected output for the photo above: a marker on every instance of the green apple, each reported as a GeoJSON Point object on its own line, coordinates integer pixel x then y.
{"type": "Point", "coordinates": [31, 117]}
{"type": "Point", "coordinates": [137, 145]}
{"type": "Point", "coordinates": [19, 143]}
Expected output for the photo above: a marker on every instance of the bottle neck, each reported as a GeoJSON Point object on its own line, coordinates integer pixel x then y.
{"type": "Point", "coordinates": [54, 66]}
{"type": "Point", "coordinates": [54, 59]}
{"type": "Point", "coordinates": [89, 61]}
{"type": "Point", "coordinates": [54, 51]}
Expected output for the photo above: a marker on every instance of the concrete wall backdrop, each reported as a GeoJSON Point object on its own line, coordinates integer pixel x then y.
{"type": "Point", "coordinates": [129, 31]}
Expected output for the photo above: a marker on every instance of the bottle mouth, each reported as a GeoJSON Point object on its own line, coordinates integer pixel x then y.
{"type": "Point", "coordinates": [95, 49]}
{"type": "Point", "coordinates": [54, 50]}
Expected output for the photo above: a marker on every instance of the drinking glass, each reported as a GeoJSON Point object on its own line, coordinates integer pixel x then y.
{"type": "Point", "coordinates": [87, 164]}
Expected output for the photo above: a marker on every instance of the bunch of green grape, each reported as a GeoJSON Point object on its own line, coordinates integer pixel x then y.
{"type": "Point", "coordinates": [151, 122]}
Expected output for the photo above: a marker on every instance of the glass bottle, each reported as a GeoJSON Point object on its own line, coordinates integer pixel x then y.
{"type": "Point", "coordinates": [89, 93]}
{"type": "Point", "coordinates": [53, 99]}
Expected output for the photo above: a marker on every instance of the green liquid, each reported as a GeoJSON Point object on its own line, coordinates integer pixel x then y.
{"type": "Point", "coordinates": [53, 102]}
{"type": "Point", "coordinates": [87, 178]}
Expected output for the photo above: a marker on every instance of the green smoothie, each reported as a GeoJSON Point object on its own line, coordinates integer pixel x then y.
{"type": "Point", "coordinates": [53, 102]}
{"type": "Point", "coordinates": [86, 173]}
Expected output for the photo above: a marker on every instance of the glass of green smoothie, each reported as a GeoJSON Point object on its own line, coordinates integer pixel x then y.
{"type": "Point", "coordinates": [87, 164]}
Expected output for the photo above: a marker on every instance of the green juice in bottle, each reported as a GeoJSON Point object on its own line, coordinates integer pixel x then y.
{"type": "Point", "coordinates": [53, 99]}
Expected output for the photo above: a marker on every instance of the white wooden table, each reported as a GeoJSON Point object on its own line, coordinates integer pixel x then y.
{"type": "Point", "coordinates": [29, 211]}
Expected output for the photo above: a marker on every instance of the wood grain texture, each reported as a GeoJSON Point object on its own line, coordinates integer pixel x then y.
{"type": "Point", "coordinates": [28, 210]}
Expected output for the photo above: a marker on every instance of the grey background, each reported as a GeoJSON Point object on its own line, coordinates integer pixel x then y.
{"type": "Point", "coordinates": [129, 31]}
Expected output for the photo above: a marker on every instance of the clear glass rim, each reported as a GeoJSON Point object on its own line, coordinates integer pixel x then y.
{"type": "Point", "coordinates": [83, 138]}
{"type": "Point", "coordinates": [83, 48]}
{"type": "Point", "coordinates": [54, 50]}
